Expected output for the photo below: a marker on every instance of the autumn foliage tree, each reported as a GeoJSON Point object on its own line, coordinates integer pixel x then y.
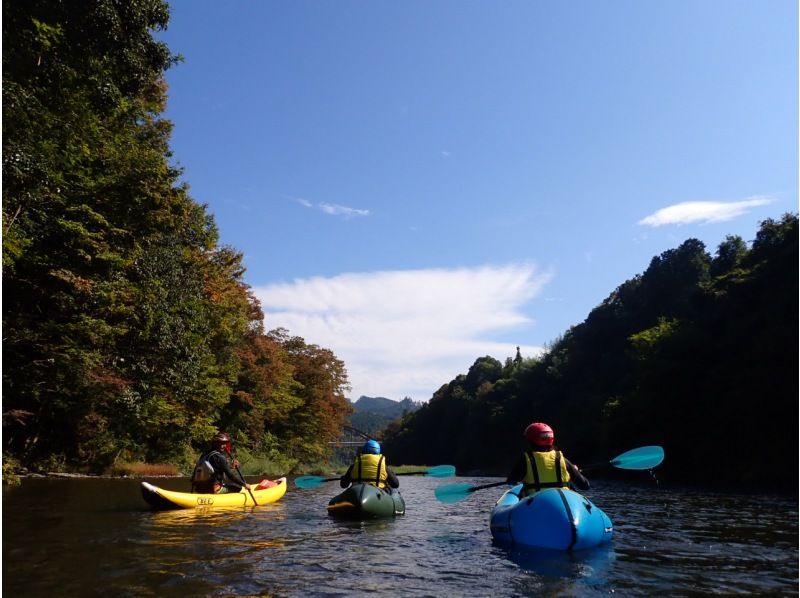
{"type": "Point", "coordinates": [128, 331]}
{"type": "Point", "coordinates": [323, 409]}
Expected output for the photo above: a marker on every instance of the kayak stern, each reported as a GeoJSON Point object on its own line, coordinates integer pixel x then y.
{"type": "Point", "coordinates": [365, 501]}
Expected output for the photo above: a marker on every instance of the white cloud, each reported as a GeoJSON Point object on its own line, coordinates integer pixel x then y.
{"type": "Point", "coordinates": [337, 210]}
{"type": "Point", "coordinates": [332, 209]}
{"type": "Point", "coordinates": [703, 211]}
{"type": "Point", "coordinates": [405, 333]}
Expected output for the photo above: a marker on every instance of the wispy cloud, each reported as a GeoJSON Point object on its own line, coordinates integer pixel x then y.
{"type": "Point", "coordinates": [303, 202]}
{"type": "Point", "coordinates": [345, 211]}
{"type": "Point", "coordinates": [332, 209]}
{"type": "Point", "coordinates": [703, 211]}
{"type": "Point", "coordinates": [405, 333]}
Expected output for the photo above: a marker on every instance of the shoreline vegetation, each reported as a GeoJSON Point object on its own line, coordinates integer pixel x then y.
{"type": "Point", "coordinates": [165, 470]}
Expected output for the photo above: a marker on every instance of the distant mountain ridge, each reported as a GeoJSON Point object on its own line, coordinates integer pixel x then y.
{"type": "Point", "coordinates": [373, 414]}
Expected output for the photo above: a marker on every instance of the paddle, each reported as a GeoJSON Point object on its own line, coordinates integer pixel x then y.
{"type": "Point", "coordinates": [437, 471]}
{"type": "Point", "coordinates": [642, 458]}
{"type": "Point", "coordinates": [312, 481]}
{"type": "Point", "coordinates": [646, 457]}
{"type": "Point", "coordinates": [450, 493]}
{"type": "Point", "coordinates": [246, 485]}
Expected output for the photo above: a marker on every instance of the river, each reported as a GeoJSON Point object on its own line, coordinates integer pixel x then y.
{"type": "Point", "coordinates": [83, 537]}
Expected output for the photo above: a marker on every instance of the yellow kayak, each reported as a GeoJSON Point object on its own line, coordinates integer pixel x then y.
{"type": "Point", "coordinates": [161, 499]}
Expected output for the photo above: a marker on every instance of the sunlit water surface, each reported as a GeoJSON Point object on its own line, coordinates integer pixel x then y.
{"type": "Point", "coordinates": [80, 537]}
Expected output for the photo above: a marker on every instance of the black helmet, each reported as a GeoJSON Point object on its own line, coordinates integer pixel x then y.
{"type": "Point", "coordinates": [222, 440]}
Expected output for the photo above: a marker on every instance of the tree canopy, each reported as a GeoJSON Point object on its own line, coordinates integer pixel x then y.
{"type": "Point", "coordinates": [699, 354]}
{"type": "Point", "coordinates": [128, 331]}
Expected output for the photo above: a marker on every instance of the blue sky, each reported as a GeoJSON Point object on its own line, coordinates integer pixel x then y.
{"type": "Point", "coordinates": [417, 184]}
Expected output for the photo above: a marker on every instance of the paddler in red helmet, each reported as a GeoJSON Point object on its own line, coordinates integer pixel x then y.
{"type": "Point", "coordinates": [543, 466]}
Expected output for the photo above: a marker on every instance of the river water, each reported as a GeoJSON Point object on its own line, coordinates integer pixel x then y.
{"type": "Point", "coordinates": [84, 537]}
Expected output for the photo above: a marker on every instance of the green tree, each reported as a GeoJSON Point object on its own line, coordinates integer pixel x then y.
{"type": "Point", "coordinates": [85, 182]}
{"type": "Point", "coordinates": [730, 254]}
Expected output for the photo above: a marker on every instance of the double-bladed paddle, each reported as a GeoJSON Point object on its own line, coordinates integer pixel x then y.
{"type": "Point", "coordinates": [645, 457]}
{"type": "Point", "coordinates": [437, 471]}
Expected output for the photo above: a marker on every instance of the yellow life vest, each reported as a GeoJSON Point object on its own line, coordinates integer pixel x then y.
{"type": "Point", "coordinates": [544, 470]}
{"type": "Point", "coordinates": [369, 469]}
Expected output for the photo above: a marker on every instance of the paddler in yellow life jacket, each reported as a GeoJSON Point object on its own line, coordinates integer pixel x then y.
{"type": "Point", "coordinates": [369, 467]}
{"type": "Point", "coordinates": [543, 466]}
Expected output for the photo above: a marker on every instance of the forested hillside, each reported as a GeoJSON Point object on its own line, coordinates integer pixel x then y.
{"type": "Point", "coordinates": [128, 332]}
{"type": "Point", "coordinates": [698, 354]}
{"type": "Point", "coordinates": [372, 414]}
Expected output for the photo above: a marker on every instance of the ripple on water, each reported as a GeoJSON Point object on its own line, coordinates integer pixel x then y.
{"type": "Point", "coordinates": [670, 543]}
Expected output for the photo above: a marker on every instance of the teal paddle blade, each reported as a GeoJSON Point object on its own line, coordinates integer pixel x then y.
{"type": "Point", "coordinates": [309, 481]}
{"type": "Point", "coordinates": [441, 471]}
{"type": "Point", "coordinates": [450, 493]}
{"type": "Point", "coordinates": [645, 457]}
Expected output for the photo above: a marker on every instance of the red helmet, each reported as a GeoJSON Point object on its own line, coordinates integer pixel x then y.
{"type": "Point", "coordinates": [222, 441]}
{"type": "Point", "coordinates": [540, 434]}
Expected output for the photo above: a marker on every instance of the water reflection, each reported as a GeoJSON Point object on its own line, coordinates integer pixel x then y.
{"type": "Point", "coordinates": [369, 526]}
{"type": "Point", "coordinates": [87, 537]}
{"type": "Point", "coordinates": [590, 563]}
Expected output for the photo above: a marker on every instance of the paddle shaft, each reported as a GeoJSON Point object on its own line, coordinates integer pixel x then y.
{"type": "Point", "coordinates": [437, 471]}
{"type": "Point", "coordinates": [494, 485]}
{"type": "Point", "coordinates": [593, 466]}
{"type": "Point", "coordinates": [246, 485]}
{"type": "Point", "coordinates": [423, 472]}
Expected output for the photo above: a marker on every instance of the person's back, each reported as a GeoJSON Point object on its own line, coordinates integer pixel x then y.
{"type": "Point", "coordinates": [206, 473]}
{"type": "Point", "coordinates": [370, 467]}
{"type": "Point", "coordinates": [543, 465]}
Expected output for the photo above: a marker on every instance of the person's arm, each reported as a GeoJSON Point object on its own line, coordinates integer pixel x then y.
{"type": "Point", "coordinates": [518, 473]}
{"type": "Point", "coordinates": [346, 478]}
{"type": "Point", "coordinates": [576, 478]}
{"type": "Point", "coordinates": [391, 478]}
{"type": "Point", "coordinates": [233, 482]}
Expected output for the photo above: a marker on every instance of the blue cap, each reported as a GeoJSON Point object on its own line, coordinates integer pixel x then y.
{"type": "Point", "coordinates": [372, 447]}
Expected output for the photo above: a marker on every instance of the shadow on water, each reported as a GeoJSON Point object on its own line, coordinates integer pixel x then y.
{"type": "Point", "coordinates": [366, 526]}
{"type": "Point", "coordinates": [588, 564]}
